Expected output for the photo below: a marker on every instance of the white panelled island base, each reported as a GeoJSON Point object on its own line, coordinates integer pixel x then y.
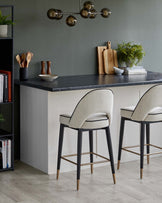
{"type": "Point", "coordinates": [42, 102]}
{"type": "Point", "coordinates": [40, 110]}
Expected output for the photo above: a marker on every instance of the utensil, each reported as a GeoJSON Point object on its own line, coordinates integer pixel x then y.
{"type": "Point", "coordinates": [18, 59]}
{"type": "Point", "coordinates": [49, 67]}
{"type": "Point", "coordinates": [47, 77]}
{"type": "Point", "coordinates": [43, 68]}
{"type": "Point", "coordinates": [100, 59]}
{"type": "Point", "coordinates": [118, 71]}
{"type": "Point", "coordinates": [23, 59]}
{"type": "Point", "coordinates": [29, 56]}
{"type": "Point", "coordinates": [110, 59]}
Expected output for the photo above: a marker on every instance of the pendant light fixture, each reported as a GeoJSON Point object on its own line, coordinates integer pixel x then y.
{"type": "Point", "coordinates": [87, 11]}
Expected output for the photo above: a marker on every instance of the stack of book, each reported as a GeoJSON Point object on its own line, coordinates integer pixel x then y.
{"type": "Point", "coordinates": [135, 70]}
{"type": "Point", "coordinates": [5, 86]}
{"type": "Point", "coordinates": [5, 153]}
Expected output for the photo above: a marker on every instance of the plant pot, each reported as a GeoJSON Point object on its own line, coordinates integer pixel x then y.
{"type": "Point", "coordinates": [3, 30]}
{"type": "Point", "coordinates": [23, 74]}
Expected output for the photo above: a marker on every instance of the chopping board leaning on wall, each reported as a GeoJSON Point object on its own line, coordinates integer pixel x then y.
{"type": "Point", "coordinates": [107, 59]}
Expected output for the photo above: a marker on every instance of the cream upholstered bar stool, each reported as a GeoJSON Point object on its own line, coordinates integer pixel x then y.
{"type": "Point", "coordinates": [148, 110]}
{"type": "Point", "coordinates": [93, 112]}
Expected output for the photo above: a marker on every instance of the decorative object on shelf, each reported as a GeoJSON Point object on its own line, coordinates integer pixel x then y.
{"type": "Point", "coordinates": [135, 70]}
{"type": "Point", "coordinates": [118, 71]}
{"type": "Point", "coordinates": [49, 67]}
{"type": "Point", "coordinates": [107, 59]}
{"type": "Point", "coordinates": [4, 22]}
{"type": "Point", "coordinates": [24, 60]}
{"type": "Point", "coordinates": [130, 54]}
{"type": "Point", "coordinates": [87, 11]}
{"type": "Point", "coordinates": [43, 71]}
{"type": "Point", "coordinates": [47, 77]}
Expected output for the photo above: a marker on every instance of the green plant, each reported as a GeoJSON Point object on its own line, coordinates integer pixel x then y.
{"type": "Point", "coordinates": [4, 20]}
{"type": "Point", "coordinates": [130, 53]}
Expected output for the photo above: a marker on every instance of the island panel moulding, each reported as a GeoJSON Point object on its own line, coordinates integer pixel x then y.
{"type": "Point", "coordinates": [87, 11]}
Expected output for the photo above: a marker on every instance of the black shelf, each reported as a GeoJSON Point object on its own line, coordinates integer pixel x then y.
{"type": "Point", "coordinates": [7, 64]}
{"type": "Point", "coordinates": [4, 133]}
{"type": "Point", "coordinates": [6, 38]}
{"type": "Point", "coordinates": [6, 103]}
{"type": "Point", "coordinates": [7, 169]}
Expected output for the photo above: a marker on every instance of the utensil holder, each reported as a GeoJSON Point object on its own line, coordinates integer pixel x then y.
{"type": "Point", "coordinates": [23, 74]}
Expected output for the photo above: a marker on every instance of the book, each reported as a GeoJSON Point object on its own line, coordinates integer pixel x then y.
{"type": "Point", "coordinates": [3, 151]}
{"type": "Point", "coordinates": [5, 88]}
{"type": "Point", "coordinates": [9, 83]}
{"type": "Point", "coordinates": [135, 70]}
{"type": "Point", "coordinates": [8, 156]}
{"type": "Point", "coordinates": [1, 161]}
{"type": "Point", "coordinates": [1, 87]}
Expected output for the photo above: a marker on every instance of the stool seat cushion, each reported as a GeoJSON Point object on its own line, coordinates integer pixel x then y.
{"type": "Point", "coordinates": [154, 115]}
{"type": "Point", "coordinates": [95, 122]}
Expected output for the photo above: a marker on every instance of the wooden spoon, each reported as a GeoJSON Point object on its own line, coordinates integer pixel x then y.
{"type": "Point", "coordinates": [23, 59]}
{"type": "Point", "coordinates": [29, 56]}
{"type": "Point", "coordinates": [18, 59]}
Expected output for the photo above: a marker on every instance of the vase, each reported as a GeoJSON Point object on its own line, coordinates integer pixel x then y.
{"type": "Point", "coordinates": [23, 74]}
{"type": "Point", "coordinates": [3, 30]}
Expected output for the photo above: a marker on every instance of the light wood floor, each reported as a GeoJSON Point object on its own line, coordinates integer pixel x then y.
{"type": "Point", "coordinates": [28, 185]}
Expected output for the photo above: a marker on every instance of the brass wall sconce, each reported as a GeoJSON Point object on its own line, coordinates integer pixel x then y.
{"type": "Point", "coordinates": [87, 11]}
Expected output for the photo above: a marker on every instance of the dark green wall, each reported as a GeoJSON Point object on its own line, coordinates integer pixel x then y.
{"type": "Point", "coordinates": [73, 50]}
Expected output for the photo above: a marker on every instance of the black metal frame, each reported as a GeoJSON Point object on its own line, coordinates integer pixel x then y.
{"type": "Point", "coordinates": [10, 135]}
{"type": "Point", "coordinates": [79, 148]}
{"type": "Point", "coordinates": [143, 124]}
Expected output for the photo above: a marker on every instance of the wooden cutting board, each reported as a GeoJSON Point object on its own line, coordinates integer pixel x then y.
{"type": "Point", "coordinates": [100, 50]}
{"type": "Point", "coordinates": [109, 59]}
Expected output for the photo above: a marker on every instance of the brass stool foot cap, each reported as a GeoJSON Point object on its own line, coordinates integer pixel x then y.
{"type": "Point", "coordinates": [58, 172]}
{"type": "Point", "coordinates": [78, 184]}
{"type": "Point", "coordinates": [91, 169]}
{"type": "Point", "coordinates": [114, 178]}
{"type": "Point", "coordinates": [148, 159]}
{"type": "Point", "coordinates": [118, 166]}
{"type": "Point", "coordinates": [141, 173]}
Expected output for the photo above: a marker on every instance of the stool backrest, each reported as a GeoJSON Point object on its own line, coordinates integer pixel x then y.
{"type": "Point", "coordinates": [94, 102]}
{"type": "Point", "coordinates": [150, 100]}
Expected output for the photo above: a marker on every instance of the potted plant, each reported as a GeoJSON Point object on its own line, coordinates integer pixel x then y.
{"type": "Point", "coordinates": [4, 22]}
{"type": "Point", "coordinates": [129, 53]}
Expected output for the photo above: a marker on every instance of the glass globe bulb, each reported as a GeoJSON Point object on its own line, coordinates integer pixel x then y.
{"type": "Point", "coordinates": [88, 5]}
{"type": "Point", "coordinates": [85, 13]}
{"type": "Point", "coordinates": [105, 12]}
{"type": "Point", "coordinates": [93, 13]}
{"type": "Point", "coordinates": [71, 20]}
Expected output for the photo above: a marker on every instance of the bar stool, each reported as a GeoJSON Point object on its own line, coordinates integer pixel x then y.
{"type": "Point", "coordinates": [148, 110]}
{"type": "Point", "coordinates": [93, 112]}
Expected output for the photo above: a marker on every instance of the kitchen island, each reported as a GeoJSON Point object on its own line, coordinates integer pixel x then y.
{"type": "Point", "coordinates": [42, 102]}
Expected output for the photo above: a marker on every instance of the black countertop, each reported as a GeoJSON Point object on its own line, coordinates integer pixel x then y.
{"type": "Point", "coordinates": [65, 83]}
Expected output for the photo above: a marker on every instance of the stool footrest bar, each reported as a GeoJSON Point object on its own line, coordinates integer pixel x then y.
{"type": "Point", "coordinates": [85, 153]}
{"type": "Point", "coordinates": [128, 147]}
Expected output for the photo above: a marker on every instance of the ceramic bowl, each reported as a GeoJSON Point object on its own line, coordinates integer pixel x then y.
{"type": "Point", "coordinates": [118, 71]}
{"type": "Point", "coordinates": [47, 77]}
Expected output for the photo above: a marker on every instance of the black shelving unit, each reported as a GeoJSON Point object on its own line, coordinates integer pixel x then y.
{"type": "Point", "coordinates": [7, 64]}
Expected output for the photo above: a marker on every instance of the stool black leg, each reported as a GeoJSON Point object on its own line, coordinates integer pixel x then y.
{"type": "Point", "coordinates": [91, 148]}
{"type": "Point", "coordinates": [108, 136]}
{"type": "Point", "coordinates": [148, 141]}
{"type": "Point", "coordinates": [79, 148]}
{"type": "Point", "coordinates": [122, 123]}
{"type": "Point", "coordinates": [142, 148]}
{"type": "Point", "coordinates": [60, 149]}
